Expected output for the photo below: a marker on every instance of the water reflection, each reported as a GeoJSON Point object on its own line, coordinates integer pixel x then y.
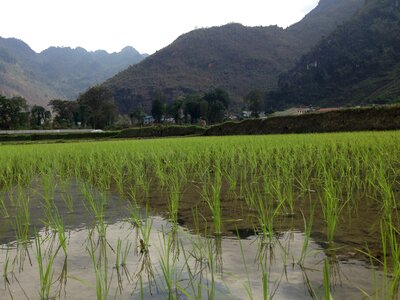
{"type": "Point", "coordinates": [112, 247]}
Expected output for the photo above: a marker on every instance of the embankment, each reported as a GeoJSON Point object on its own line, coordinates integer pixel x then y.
{"type": "Point", "coordinates": [359, 119]}
{"type": "Point", "coordinates": [160, 131]}
{"type": "Point", "coordinates": [139, 132]}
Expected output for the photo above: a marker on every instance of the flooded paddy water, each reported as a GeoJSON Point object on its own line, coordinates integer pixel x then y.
{"type": "Point", "coordinates": [279, 217]}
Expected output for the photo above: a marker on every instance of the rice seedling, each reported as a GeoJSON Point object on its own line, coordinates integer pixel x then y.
{"type": "Point", "coordinates": [173, 199]}
{"type": "Point", "coordinates": [391, 246]}
{"type": "Point", "coordinates": [248, 285]}
{"type": "Point", "coordinates": [66, 196]}
{"type": "Point", "coordinates": [57, 223]}
{"type": "Point", "coordinates": [6, 269]}
{"type": "Point", "coordinates": [122, 253]}
{"type": "Point", "coordinates": [10, 277]}
{"type": "Point", "coordinates": [121, 256]}
{"type": "Point", "coordinates": [59, 238]}
{"type": "Point", "coordinates": [266, 211]}
{"type": "Point", "coordinates": [266, 179]}
{"type": "Point", "coordinates": [199, 255]}
{"type": "Point", "coordinates": [389, 203]}
{"type": "Point", "coordinates": [265, 260]}
{"type": "Point", "coordinates": [3, 206]}
{"type": "Point", "coordinates": [331, 205]}
{"type": "Point", "coordinates": [95, 203]}
{"type": "Point", "coordinates": [168, 266]}
{"type": "Point", "coordinates": [195, 276]}
{"type": "Point", "coordinates": [49, 187]}
{"type": "Point", "coordinates": [100, 263]}
{"type": "Point", "coordinates": [284, 185]}
{"type": "Point", "coordinates": [307, 233]}
{"type": "Point", "coordinates": [327, 289]}
{"type": "Point", "coordinates": [211, 267]}
{"type": "Point", "coordinates": [304, 166]}
{"type": "Point", "coordinates": [22, 218]}
{"type": "Point", "coordinates": [143, 225]}
{"type": "Point", "coordinates": [118, 175]}
{"type": "Point", "coordinates": [141, 188]}
{"type": "Point", "coordinates": [45, 263]}
{"type": "Point", "coordinates": [211, 193]}
{"type": "Point", "coordinates": [219, 255]}
{"type": "Point", "coordinates": [264, 280]}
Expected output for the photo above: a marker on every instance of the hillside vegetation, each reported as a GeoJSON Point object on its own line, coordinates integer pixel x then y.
{"type": "Point", "coordinates": [233, 57]}
{"type": "Point", "coordinates": [359, 63]}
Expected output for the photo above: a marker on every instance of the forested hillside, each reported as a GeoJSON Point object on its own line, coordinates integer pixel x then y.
{"type": "Point", "coordinates": [233, 57]}
{"type": "Point", "coordinates": [359, 63]}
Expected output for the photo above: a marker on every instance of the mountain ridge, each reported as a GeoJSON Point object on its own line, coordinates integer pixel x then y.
{"type": "Point", "coordinates": [57, 72]}
{"type": "Point", "coordinates": [233, 57]}
{"type": "Point", "coordinates": [356, 64]}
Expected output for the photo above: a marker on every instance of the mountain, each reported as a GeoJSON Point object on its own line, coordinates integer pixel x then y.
{"type": "Point", "coordinates": [56, 72]}
{"type": "Point", "coordinates": [358, 63]}
{"type": "Point", "coordinates": [18, 63]}
{"type": "Point", "coordinates": [233, 57]}
{"type": "Point", "coordinates": [323, 19]}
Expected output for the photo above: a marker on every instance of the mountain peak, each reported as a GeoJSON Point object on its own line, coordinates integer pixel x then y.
{"type": "Point", "coordinates": [57, 72]}
{"type": "Point", "coordinates": [19, 47]}
{"type": "Point", "coordinates": [129, 50]}
{"type": "Point", "coordinates": [233, 57]}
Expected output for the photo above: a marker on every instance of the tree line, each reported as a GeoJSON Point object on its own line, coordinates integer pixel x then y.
{"type": "Point", "coordinates": [210, 107]}
{"type": "Point", "coordinates": [96, 108]}
{"type": "Point", "coordinates": [16, 114]}
{"type": "Point", "coordinates": [93, 109]}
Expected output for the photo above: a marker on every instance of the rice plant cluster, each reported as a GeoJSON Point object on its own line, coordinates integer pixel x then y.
{"type": "Point", "coordinates": [206, 190]}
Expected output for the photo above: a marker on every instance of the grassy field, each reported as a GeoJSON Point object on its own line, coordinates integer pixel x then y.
{"type": "Point", "coordinates": [249, 217]}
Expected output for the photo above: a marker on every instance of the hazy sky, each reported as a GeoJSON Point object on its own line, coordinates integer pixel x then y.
{"type": "Point", "coordinates": [147, 25]}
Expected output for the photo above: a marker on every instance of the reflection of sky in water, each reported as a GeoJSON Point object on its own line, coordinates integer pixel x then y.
{"type": "Point", "coordinates": [237, 261]}
{"type": "Point", "coordinates": [286, 279]}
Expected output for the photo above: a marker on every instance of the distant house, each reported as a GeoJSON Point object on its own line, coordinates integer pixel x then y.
{"type": "Point", "coordinates": [301, 111]}
{"type": "Point", "coordinates": [249, 114]}
{"type": "Point", "coordinates": [148, 120]}
{"type": "Point", "coordinates": [169, 120]}
{"type": "Point", "coordinates": [312, 65]}
{"type": "Point", "coordinates": [246, 114]}
{"type": "Point", "coordinates": [232, 117]}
